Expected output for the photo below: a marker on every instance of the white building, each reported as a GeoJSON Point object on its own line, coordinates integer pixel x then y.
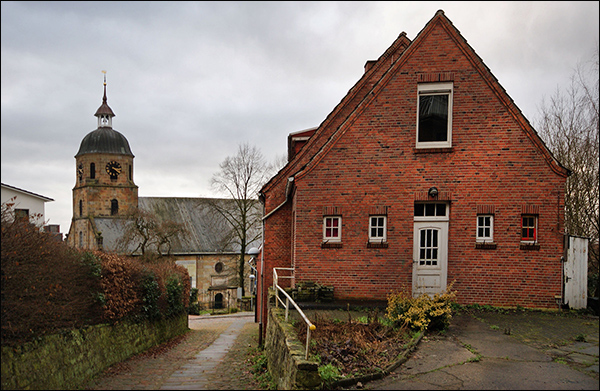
{"type": "Point", "coordinates": [26, 203]}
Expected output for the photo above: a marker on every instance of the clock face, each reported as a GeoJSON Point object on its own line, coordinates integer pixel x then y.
{"type": "Point", "coordinates": [113, 169]}
{"type": "Point", "coordinates": [80, 171]}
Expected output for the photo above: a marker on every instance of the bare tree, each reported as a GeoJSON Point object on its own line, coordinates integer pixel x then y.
{"type": "Point", "coordinates": [569, 126]}
{"type": "Point", "coordinates": [146, 233]}
{"type": "Point", "coordinates": [241, 177]}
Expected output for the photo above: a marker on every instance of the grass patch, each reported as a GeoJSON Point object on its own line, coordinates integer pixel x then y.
{"type": "Point", "coordinates": [259, 370]}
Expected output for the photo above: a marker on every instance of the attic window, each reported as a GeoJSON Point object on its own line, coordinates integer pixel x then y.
{"type": "Point", "coordinates": [434, 115]}
{"type": "Point", "coordinates": [219, 267]}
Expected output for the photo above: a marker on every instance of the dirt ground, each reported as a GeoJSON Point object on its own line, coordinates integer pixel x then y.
{"type": "Point", "coordinates": [356, 348]}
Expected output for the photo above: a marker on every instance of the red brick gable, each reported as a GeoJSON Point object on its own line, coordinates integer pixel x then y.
{"type": "Point", "coordinates": [431, 73]}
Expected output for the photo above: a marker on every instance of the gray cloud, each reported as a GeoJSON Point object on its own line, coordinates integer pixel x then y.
{"type": "Point", "coordinates": [189, 81]}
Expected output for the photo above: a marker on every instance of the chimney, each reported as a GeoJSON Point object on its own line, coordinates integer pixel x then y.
{"type": "Point", "coordinates": [369, 64]}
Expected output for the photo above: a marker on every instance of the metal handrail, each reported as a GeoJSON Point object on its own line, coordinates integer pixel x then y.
{"type": "Point", "coordinates": [309, 326]}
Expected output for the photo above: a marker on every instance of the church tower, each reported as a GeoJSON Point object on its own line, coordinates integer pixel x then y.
{"type": "Point", "coordinates": [104, 189]}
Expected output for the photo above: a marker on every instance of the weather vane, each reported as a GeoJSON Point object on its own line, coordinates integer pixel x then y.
{"type": "Point", "coordinates": [104, 77]}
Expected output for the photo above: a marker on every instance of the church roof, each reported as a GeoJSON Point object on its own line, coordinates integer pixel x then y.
{"type": "Point", "coordinates": [208, 231]}
{"type": "Point", "coordinates": [104, 140]}
{"type": "Point", "coordinates": [104, 109]}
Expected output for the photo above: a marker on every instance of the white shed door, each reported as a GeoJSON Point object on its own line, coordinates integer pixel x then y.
{"type": "Point", "coordinates": [575, 272]}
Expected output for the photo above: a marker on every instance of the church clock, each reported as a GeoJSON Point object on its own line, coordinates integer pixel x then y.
{"type": "Point", "coordinates": [113, 169]}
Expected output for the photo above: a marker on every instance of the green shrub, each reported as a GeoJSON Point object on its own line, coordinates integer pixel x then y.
{"type": "Point", "coordinates": [423, 312]}
{"type": "Point", "coordinates": [259, 369]}
{"type": "Point", "coordinates": [150, 297]}
{"type": "Point", "coordinates": [92, 263]}
{"type": "Point", "coordinates": [174, 295]}
{"type": "Point", "coordinates": [194, 308]}
{"type": "Point", "coordinates": [329, 373]}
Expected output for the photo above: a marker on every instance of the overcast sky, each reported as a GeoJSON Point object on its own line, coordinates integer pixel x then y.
{"type": "Point", "coordinates": [190, 81]}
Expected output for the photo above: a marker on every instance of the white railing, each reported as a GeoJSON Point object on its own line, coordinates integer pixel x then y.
{"type": "Point", "coordinates": [309, 326]}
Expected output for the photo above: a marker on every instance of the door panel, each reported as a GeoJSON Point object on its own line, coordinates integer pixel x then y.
{"type": "Point", "coordinates": [430, 257]}
{"type": "Point", "coordinates": [575, 272]}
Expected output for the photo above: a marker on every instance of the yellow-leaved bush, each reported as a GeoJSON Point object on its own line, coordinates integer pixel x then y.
{"type": "Point", "coordinates": [423, 312]}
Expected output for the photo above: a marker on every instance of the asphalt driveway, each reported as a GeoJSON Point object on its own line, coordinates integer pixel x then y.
{"type": "Point", "coordinates": [506, 350]}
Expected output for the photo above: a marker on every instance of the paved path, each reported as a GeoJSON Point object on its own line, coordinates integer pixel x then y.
{"type": "Point", "coordinates": [212, 355]}
{"type": "Point", "coordinates": [193, 374]}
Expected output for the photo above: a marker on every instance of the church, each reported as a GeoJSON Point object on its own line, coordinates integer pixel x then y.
{"type": "Point", "coordinates": [105, 196]}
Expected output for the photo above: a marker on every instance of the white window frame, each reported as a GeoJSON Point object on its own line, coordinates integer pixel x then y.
{"type": "Point", "coordinates": [435, 89]}
{"type": "Point", "coordinates": [330, 239]}
{"type": "Point", "coordinates": [484, 239]}
{"type": "Point", "coordinates": [435, 216]}
{"type": "Point", "coordinates": [378, 239]}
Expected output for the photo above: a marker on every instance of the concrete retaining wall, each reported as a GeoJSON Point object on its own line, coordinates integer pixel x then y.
{"type": "Point", "coordinates": [286, 356]}
{"type": "Point", "coordinates": [68, 360]}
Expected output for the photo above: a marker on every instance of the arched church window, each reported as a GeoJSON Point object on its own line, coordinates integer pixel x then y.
{"type": "Point", "coordinates": [92, 170]}
{"type": "Point", "coordinates": [80, 239]}
{"type": "Point", "coordinates": [80, 208]}
{"type": "Point", "coordinates": [114, 207]}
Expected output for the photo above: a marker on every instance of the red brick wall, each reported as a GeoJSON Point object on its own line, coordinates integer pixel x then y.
{"type": "Point", "coordinates": [277, 239]}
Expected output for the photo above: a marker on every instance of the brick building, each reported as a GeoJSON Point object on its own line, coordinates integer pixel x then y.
{"type": "Point", "coordinates": [425, 173]}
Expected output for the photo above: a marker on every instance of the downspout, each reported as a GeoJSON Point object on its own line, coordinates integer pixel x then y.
{"type": "Point", "coordinates": [262, 299]}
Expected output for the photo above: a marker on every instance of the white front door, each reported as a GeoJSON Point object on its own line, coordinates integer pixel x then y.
{"type": "Point", "coordinates": [430, 257]}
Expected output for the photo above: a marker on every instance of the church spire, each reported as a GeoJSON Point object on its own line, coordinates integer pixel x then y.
{"type": "Point", "coordinates": [104, 112]}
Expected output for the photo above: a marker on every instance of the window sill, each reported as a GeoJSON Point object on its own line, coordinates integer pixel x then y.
{"type": "Point", "coordinates": [433, 150]}
{"type": "Point", "coordinates": [331, 245]}
{"type": "Point", "coordinates": [377, 245]}
{"type": "Point", "coordinates": [530, 246]}
{"type": "Point", "coordinates": [486, 245]}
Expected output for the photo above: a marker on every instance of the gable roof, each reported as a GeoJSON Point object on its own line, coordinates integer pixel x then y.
{"type": "Point", "coordinates": [374, 81]}
{"type": "Point", "coordinates": [209, 232]}
{"type": "Point", "coordinates": [29, 193]}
